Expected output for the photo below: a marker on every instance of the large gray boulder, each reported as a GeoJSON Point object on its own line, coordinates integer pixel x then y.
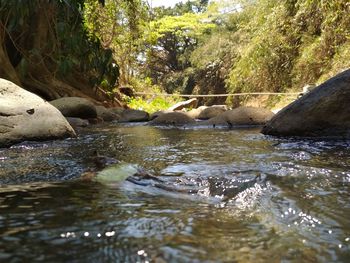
{"type": "Point", "coordinates": [75, 107]}
{"type": "Point", "coordinates": [172, 118]}
{"type": "Point", "coordinates": [25, 116]}
{"type": "Point", "coordinates": [241, 116]}
{"type": "Point", "coordinates": [322, 112]}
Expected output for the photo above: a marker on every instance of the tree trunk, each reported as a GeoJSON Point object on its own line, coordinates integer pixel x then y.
{"type": "Point", "coordinates": [7, 71]}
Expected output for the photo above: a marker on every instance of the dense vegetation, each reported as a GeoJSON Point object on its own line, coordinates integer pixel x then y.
{"type": "Point", "coordinates": [71, 47]}
{"type": "Point", "coordinates": [45, 48]}
{"type": "Point", "coordinates": [271, 45]}
{"type": "Point", "coordinates": [288, 44]}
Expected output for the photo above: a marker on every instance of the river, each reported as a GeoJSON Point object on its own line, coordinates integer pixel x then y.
{"type": "Point", "coordinates": [251, 198]}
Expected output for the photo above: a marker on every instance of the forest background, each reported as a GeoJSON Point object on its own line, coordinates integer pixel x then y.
{"type": "Point", "coordinates": [91, 48]}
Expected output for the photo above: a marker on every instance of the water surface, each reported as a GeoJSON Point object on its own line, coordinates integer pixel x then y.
{"type": "Point", "coordinates": [255, 198]}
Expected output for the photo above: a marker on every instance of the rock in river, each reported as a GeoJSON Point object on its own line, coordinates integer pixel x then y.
{"type": "Point", "coordinates": [241, 116]}
{"type": "Point", "coordinates": [322, 112]}
{"type": "Point", "coordinates": [75, 107]}
{"type": "Point", "coordinates": [25, 116]}
{"type": "Point", "coordinates": [212, 111]}
{"type": "Point", "coordinates": [130, 115]}
{"type": "Point", "coordinates": [157, 114]}
{"type": "Point", "coordinates": [194, 113]}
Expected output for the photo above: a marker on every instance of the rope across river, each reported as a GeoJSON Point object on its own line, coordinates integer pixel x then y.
{"type": "Point", "coordinates": [217, 95]}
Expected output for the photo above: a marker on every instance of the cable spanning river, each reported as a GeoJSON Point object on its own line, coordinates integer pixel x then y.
{"type": "Point", "coordinates": [230, 196]}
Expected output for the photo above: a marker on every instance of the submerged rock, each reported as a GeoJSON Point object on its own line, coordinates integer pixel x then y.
{"type": "Point", "coordinates": [110, 171]}
{"type": "Point", "coordinates": [75, 107]}
{"type": "Point", "coordinates": [25, 116]}
{"type": "Point", "coordinates": [241, 116]}
{"type": "Point", "coordinates": [322, 112]}
{"type": "Point", "coordinates": [116, 173]}
{"type": "Point", "coordinates": [229, 188]}
{"type": "Point", "coordinates": [101, 161]}
{"type": "Point", "coordinates": [172, 118]}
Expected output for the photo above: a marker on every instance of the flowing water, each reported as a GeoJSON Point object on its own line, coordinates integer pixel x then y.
{"type": "Point", "coordinates": [248, 198]}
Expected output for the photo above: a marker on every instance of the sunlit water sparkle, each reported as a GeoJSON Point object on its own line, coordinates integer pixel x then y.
{"type": "Point", "coordinates": [251, 198]}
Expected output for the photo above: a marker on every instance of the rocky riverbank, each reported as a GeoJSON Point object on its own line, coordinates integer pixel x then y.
{"type": "Point", "coordinates": [323, 112]}
{"type": "Point", "coordinates": [25, 116]}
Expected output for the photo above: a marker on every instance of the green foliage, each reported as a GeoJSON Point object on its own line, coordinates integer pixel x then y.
{"type": "Point", "coordinates": [226, 46]}
{"type": "Point", "coordinates": [23, 68]}
{"type": "Point", "coordinates": [184, 27]}
{"type": "Point", "coordinates": [324, 28]}
{"type": "Point", "coordinates": [172, 40]}
{"type": "Point", "coordinates": [339, 62]}
{"type": "Point", "coordinates": [266, 61]}
{"type": "Point", "coordinates": [50, 36]}
{"type": "Point", "coordinates": [152, 104]}
{"type": "Point", "coordinates": [181, 8]}
{"type": "Point", "coordinates": [287, 44]}
{"type": "Point", "coordinates": [212, 61]}
{"type": "Point", "coordinates": [119, 25]}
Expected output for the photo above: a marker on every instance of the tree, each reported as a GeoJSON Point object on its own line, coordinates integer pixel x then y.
{"type": "Point", "coordinates": [181, 8]}
{"type": "Point", "coordinates": [45, 49]}
{"type": "Point", "coordinates": [172, 39]}
{"type": "Point", "coordinates": [212, 61]}
{"type": "Point", "coordinates": [119, 25]}
{"type": "Point", "coordinates": [289, 43]}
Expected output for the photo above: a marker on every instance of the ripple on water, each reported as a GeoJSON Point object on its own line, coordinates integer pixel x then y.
{"type": "Point", "coordinates": [288, 199]}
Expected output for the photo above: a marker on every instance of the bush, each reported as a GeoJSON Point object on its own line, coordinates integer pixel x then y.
{"type": "Point", "coordinates": [152, 104]}
{"type": "Point", "coordinates": [289, 43]}
{"type": "Point", "coordinates": [264, 64]}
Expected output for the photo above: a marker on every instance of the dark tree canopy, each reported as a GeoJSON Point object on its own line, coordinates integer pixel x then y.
{"type": "Point", "coordinates": [45, 49]}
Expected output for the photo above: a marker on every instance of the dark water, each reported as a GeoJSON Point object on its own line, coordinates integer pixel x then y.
{"type": "Point", "coordinates": [258, 199]}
